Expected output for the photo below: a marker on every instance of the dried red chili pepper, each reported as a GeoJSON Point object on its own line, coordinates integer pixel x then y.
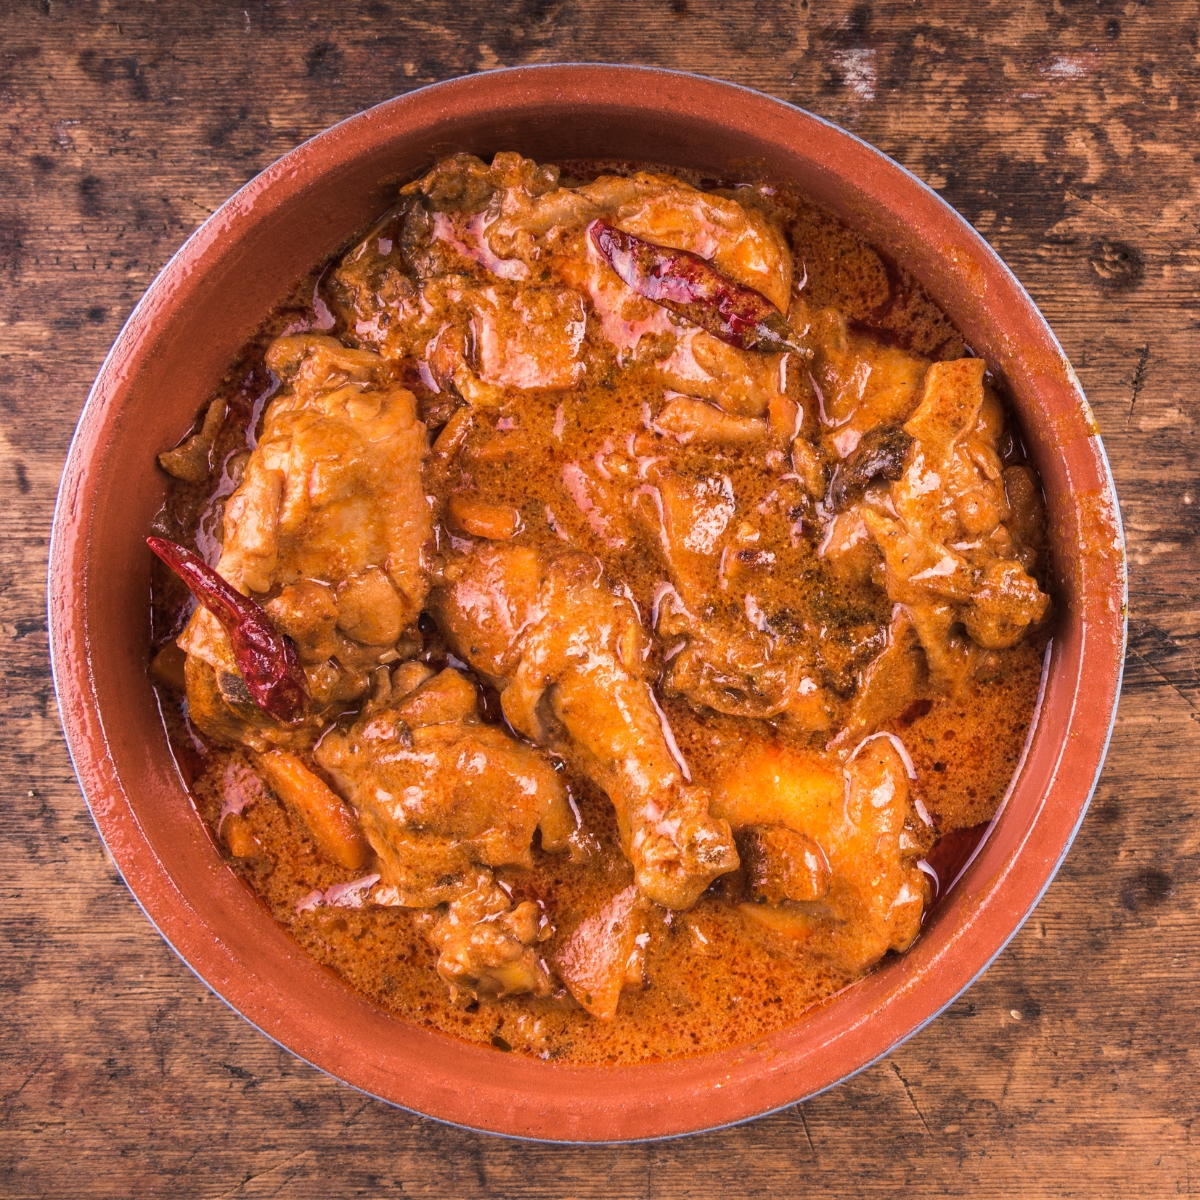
{"type": "Point", "coordinates": [266, 658]}
{"type": "Point", "coordinates": [688, 285]}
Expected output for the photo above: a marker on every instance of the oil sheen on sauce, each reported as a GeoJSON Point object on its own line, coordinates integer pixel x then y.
{"type": "Point", "coordinates": [713, 981]}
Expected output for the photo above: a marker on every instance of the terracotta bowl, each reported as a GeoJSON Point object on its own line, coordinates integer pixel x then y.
{"type": "Point", "coordinates": [175, 346]}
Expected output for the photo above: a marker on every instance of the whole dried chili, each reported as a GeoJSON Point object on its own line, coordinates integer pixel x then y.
{"type": "Point", "coordinates": [688, 285]}
{"type": "Point", "coordinates": [266, 658]}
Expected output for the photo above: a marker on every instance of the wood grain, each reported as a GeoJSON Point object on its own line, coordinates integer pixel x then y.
{"type": "Point", "coordinates": [1066, 133]}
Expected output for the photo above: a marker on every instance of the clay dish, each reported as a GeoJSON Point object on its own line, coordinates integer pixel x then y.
{"type": "Point", "coordinates": [189, 325]}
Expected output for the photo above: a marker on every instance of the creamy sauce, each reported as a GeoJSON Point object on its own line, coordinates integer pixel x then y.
{"type": "Point", "coordinates": [714, 978]}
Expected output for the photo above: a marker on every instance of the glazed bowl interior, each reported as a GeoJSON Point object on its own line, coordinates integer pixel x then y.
{"type": "Point", "coordinates": [180, 340]}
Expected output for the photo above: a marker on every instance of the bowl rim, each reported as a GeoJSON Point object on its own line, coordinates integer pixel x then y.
{"type": "Point", "coordinates": [614, 1119]}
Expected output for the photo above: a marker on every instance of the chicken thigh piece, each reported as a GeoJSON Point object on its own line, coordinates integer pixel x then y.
{"type": "Point", "coordinates": [568, 653]}
{"type": "Point", "coordinates": [949, 552]}
{"type": "Point", "coordinates": [327, 531]}
{"type": "Point", "coordinates": [442, 798]}
{"type": "Point", "coordinates": [438, 792]}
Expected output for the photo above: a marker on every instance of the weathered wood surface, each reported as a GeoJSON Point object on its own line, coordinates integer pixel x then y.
{"type": "Point", "coordinates": [1066, 132]}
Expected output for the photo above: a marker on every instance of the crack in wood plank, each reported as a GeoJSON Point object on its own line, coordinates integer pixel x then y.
{"type": "Point", "coordinates": [1139, 378]}
{"type": "Point", "coordinates": [804, 1122]}
{"type": "Point", "coordinates": [911, 1098]}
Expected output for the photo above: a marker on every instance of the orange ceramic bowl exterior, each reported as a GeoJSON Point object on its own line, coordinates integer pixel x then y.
{"type": "Point", "coordinates": [178, 342]}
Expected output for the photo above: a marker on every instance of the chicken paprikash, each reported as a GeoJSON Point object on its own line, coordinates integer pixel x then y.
{"type": "Point", "coordinates": [598, 613]}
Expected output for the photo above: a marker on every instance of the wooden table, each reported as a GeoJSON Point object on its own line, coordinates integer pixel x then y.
{"type": "Point", "coordinates": [1066, 133]}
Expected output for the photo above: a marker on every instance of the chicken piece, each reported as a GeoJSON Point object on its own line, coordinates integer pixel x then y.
{"type": "Point", "coordinates": [602, 957]}
{"type": "Point", "coordinates": [435, 230]}
{"type": "Point", "coordinates": [441, 798]}
{"type": "Point", "coordinates": [745, 383]}
{"type": "Point", "coordinates": [568, 654]}
{"type": "Point", "coordinates": [860, 820]}
{"type": "Point", "coordinates": [487, 945]}
{"type": "Point", "coordinates": [530, 337]}
{"type": "Point", "coordinates": [330, 515]}
{"type": "Point", "coordinates": [191, 460]}
{"type": "Point", "coordinates": [477, 341]}
{"type": "Point", "coordinates": [730, 667]}
{"type": "Point", "coordinates": [342, 450]}
{"type": "Point", "coordinates": [861, 382]}
{"type": "Point", "coordinates": [439, 793]}
{"type": "Point", "coordinates": [688, 516]}
{"type": "Point", "coordinates": [487, 601]}
{"type": "Point", "coordinates": [689, 420]}
{"type": "Point", "coordinates": [889, 683]}
{"type": "Point", "coordinates": [740, 241]}
{"type": "Point", "coordinates": [725, 663]}
{"type": "Point", "coordinates": [660, 209]}
{"type": "Point", "coordinates": [425, 283]}
{"type": "Point", "coordinates": [949, 558]}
